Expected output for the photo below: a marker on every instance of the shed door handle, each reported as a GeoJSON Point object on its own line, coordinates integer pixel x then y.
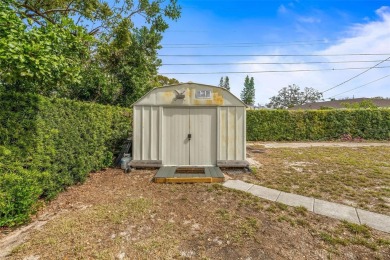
{"type": "Point", "coordinates": [189, 136]}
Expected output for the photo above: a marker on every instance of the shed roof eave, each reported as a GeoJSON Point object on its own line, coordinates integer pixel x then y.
{"type": "Point", "coordinates": [189, 83]}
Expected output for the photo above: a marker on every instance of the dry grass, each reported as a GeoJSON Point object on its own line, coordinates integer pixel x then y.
{"type": "Point", "coordinates": [119, 216]}
{"type": "Point", "coordinates": [358, 177]}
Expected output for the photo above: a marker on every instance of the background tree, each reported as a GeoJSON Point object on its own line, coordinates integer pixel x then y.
{"type": "Point", "coordinates": [226, 84]}
{"type": "Point", "coordinates": [358, 105]}
{"type": "Point", "coordinates": [292, 95]}
{"type": "Point", "coordinates": [165, 81]}
{"type": "Point", "coordinates": [248, 92]}
{"type": "Point", "coordinates": [221, 82]}
{"type": "Point", "coordinates": [90, 50]}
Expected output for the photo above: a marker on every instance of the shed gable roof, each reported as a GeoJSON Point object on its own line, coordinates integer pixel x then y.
{"type": "Point", "coordinates": [187, 94]}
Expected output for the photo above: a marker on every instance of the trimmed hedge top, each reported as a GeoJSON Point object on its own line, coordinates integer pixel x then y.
{"type": "Point", "coordinates": [286, 125]}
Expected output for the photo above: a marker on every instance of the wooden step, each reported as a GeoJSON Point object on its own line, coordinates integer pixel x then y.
{"type": "Point", "coordinates": [173, 174]}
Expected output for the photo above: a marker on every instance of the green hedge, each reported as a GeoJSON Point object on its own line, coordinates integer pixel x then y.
{"type": "Point", "coordinates": [49, 144]}
{"type": "Point", "coordinates": [285, 125]}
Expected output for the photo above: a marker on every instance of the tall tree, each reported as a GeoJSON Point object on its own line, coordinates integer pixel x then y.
{"type": "Point", "coordinates": [252, 91]}
{"type": "Point", "coordinates": [226, 84]}
{"type": "Point", "coordinates": [292, 95]}
{"type": "Point", "coordinates": [248, 92]}
{"type": "Point", "coordinates": [221, 83]}
{"type": "Point", "coordinates": [121, 61]}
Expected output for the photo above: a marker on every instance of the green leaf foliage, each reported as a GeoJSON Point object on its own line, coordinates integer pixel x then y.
{"type": "Point", "coordinates": [165, 81]}
{"type": "Point", "coordinates": [248, 92]}
{"type": "Point", "coordinates": [286, 125]}
{"type": "Point", "coordinates": [19, 193]}
{"type": "Point", "coordinates": [224, 83]}
{"type": "Point", "coordinates": [40, 60]}
{"type": "Point", "coordinates": [357, 105]}
{"type": "Point", "coordinates": [293, 96]}
{"type": "Point", "coordinates": [49, 144]}
{"type": "Point", "coordinates": [96, 50]}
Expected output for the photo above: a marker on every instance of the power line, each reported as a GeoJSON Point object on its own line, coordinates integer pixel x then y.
{"type": "Point", "coordinates": [243, 43]}
{"type": "Point", "coordinates": [359, 86]}
{"type": "Point", "coordinates": [263, 71]}
{"type": "Point", "coordinates": [342, 83]}
{"type": "Point", "coordinates": [192, 46]}
{"type": "Point", "coordinates": [265, 63]}
{"type": "Point", "coordinates": [272, 55]}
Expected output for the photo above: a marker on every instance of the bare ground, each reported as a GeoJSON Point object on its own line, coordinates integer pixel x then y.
{"type": "Point", "coordinates": [126, 216]}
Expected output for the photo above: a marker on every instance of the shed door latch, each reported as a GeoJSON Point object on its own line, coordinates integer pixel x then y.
{"type": "Point", "coordinates": [189, 136]}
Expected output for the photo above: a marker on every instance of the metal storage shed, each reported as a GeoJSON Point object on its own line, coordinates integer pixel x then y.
{"type": "Point", "coordinates": [189, 124]}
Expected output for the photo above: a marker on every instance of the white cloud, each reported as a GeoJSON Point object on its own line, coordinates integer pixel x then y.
{"type": "Point", "coordinates": [282, 9]}
{"type": "Point", "coordinates": [384, 10]}
{"type": "Point", "coordinates": [309, 19]}
{"type": "Point", "coordinates": [370, 37]}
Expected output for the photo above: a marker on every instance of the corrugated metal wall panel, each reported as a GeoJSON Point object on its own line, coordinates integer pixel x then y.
{"type": "Point", "coordinates": [146, 130]}
{"type": "Point", "coordinates": [231, 151]}
{"type": "Point", "coordinates": [231, 133]}
{"type": "Point", "coordinates": [137, 126]}
{"type": "Point", "coordinates": [240, 134]}
{"type": "Point", "coordinates": [154, 135]}
{"type": "Point", "coordinates": [146, 133]}
{"type": "Point", "coordinates": [222, 134]}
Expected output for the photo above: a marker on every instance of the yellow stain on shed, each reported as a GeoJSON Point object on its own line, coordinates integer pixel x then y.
{"type": "Point", "coordinates": [168, 96]}
{"type": "Point", "coordinates": [218, 97]}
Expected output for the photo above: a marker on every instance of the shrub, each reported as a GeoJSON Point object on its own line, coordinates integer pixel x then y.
{"type": "Point", "coordinates": [48, 144]}
{"type": "Point", "coordinates": [285, 125]}
{"type": "Point", "coordinates": [19, 193]}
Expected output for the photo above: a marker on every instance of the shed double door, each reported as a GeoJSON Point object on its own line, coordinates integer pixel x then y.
{"type": "Point", "coordinates": [189, 136]}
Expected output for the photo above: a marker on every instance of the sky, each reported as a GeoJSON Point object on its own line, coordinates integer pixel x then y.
{"type": "Point", "coordinates": [281, 43]}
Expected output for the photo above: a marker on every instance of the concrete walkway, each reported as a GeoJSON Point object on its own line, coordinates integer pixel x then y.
{"type": "Point", "coordinates": [321, 207]}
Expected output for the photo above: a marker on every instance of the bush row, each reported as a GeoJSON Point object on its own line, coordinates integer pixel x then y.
{"type": "Point", "coordinates": [285, 125]}
{"type": "Point", "coordinates": [49, 144]}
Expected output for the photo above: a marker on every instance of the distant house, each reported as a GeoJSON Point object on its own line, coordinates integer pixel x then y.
{"type": "Point", "coordinates": [380, 102]}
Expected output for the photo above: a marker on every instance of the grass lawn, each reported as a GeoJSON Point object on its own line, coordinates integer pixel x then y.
{"type": "Point", "coordinates": [358, 176]}
{"type": "Point", "coordinates": [121, 216]}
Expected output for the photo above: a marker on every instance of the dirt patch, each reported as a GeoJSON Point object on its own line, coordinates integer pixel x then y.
{"type": "Point", "coordinates": [17, 237]}
{"type": "Point", "coordinates": [253, 163]}
{"type": "Point", "coordinates": [126, 216]}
